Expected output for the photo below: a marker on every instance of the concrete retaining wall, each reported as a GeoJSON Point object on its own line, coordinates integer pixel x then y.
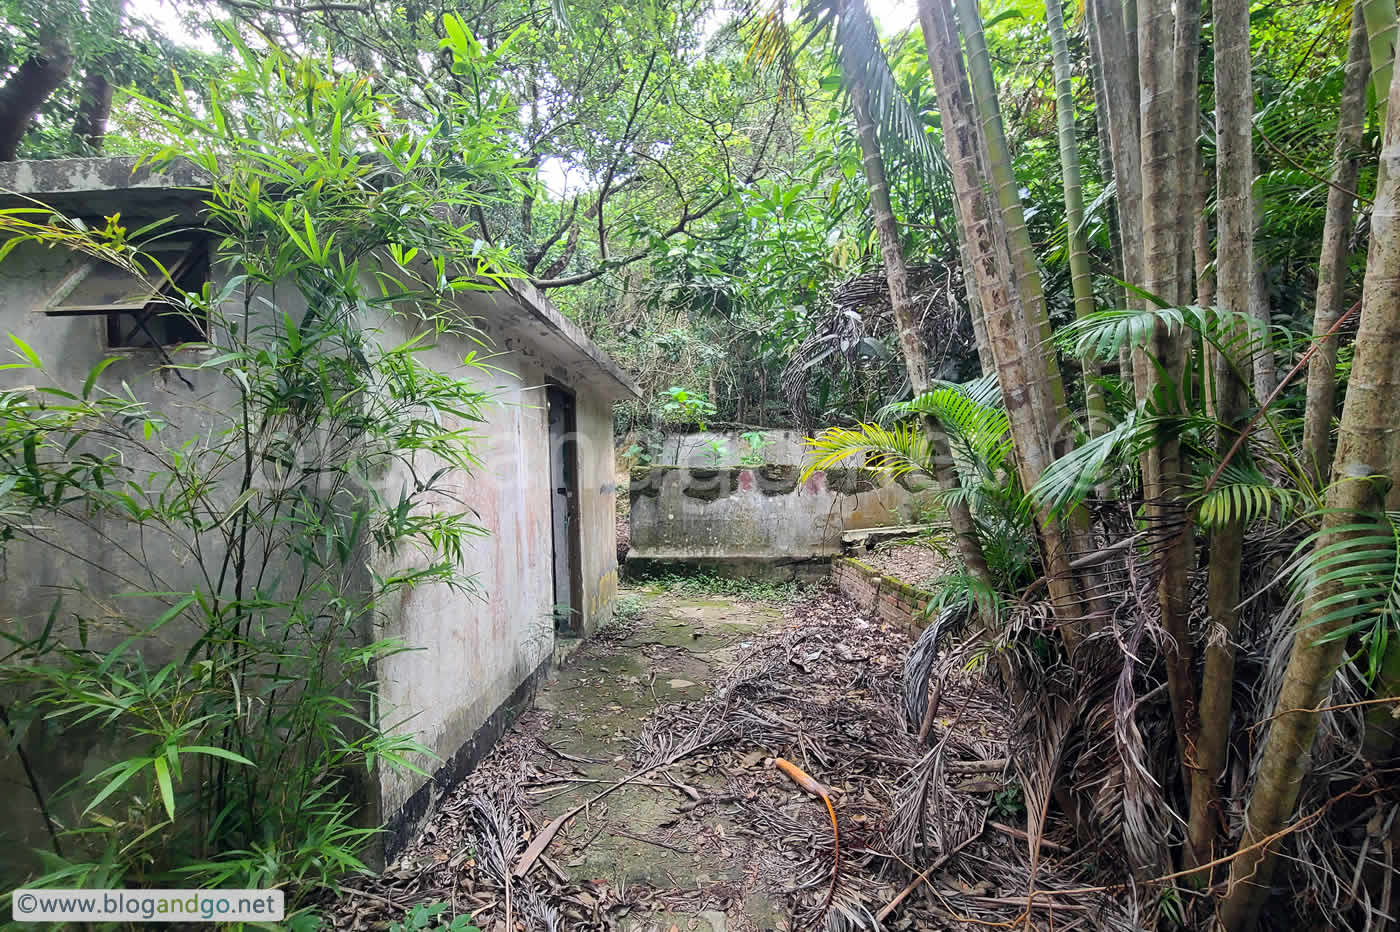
{"type": "Point", "coordinates": [894, 600]}
{"type": "Point", "coordinates": [762, 521]}
{"type": "Point", "coordinates": [699, 449]}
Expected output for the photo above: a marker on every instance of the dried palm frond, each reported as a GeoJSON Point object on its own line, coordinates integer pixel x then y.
{"type": "Point", "coordinates": [849, 336]}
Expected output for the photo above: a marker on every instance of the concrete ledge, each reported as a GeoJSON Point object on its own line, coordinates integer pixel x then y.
{"type": "Point", "coordinates": [756, 566]}
{"type": "Point", "coordinates": [889, 597]}
{"type": "Point", "coordinates": [867, 538]}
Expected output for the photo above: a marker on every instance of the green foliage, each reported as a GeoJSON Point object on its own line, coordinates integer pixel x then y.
{"type": "Point", "coordinates": [753, 590]}
{"type": "Point", "coordinates": [126, 46]}
{"type": "Point", "coordinates": [755, 443]}
{"type": "Point", "coordinates": [235, 688]}
{"type": "Point", "coordinates": [1010, 802]}
{"type": "Point", "coordinates": [1355, 581]}
{"type": "Point", "coordinates": [629, 608]}
{"type": "Point", "coordinates": [685, 407]}
{"type": "Point", "coordinates": [426, 918]}
{"type": "Point", "coordinates": [898, 450]}
{"type": "Point", "coordinates": [976, 424]}
{"type": "Point", "coordinates": [1245, 494]}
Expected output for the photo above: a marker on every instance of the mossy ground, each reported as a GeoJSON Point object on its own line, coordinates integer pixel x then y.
{"type": "Point", "coordinates": [593, 710]}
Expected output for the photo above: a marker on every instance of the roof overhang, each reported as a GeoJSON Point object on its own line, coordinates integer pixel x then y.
{"type": "Point", "coordinates": [98, 187]}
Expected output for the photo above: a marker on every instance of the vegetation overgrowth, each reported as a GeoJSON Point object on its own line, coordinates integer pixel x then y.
{"type": "Point", "coordinates": [1121, 277]}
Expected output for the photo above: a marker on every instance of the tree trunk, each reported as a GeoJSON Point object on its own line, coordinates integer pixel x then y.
{"type": "Point", "coordinates": [27, 89]}
{"type": "Point", "coordinates": [1234, 205]}
{"type": "Point", "coordinates": [1081, 278]}
{"type": "Point", "coordinates": [1381, 33]}
{"type": "Point", "coordinates": [1164, 226]}
{"type": "Point", "coordinates": [95, 106]}
{"type": "Point", "coordinates": [910, 344]}
{"type": "Point", "coordinates": [1265, 369]}
{"type": "Point", "coordinates": [974, 305]}
{"type": "Point", "coordinates": [1008, 196]}
{"type": "Point", "coordinates": [1362, 470]}
{"type": "Point", "coordinates": [1332, 265]}
{"type": "Point", "coordinates": [1382, 729]}
{"type": "Point", "coordinates": [1021, 372]}
{"type": "Point", "coordinates": [1056, 424]}
{"type": "Point", "coordinates": [1113, 49]}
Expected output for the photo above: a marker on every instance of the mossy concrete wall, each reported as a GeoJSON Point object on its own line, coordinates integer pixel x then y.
{"type": "Point", "coordinates": [728, 448]}
{"type": "Point", "coordinates": [760, 521]}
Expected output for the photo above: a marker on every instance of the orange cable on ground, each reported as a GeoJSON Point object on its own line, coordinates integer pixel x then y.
{"type": "Point", "coordinates": [801, 778]}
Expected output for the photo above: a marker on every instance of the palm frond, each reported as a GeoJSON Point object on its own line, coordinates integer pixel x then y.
{"type": "Point", "coordinates": [774, 45]}
{"type": "Point", "coordinates": [863, 61]}
{"type": "Point", "coordinates": [1245, 494]}
{"type": "Point", "coordinates": [1068, 481]}
{"type": "Point", "coordinates": [1354, 582]}
{"type": "Point", "coordinates": [960, 588]}
{"type": "Point", "coordinates": [897, 451]}
{"type": "Point", "coordinates": [972, 417]}
{"type": "Point", "coordinates": [1238, 335]}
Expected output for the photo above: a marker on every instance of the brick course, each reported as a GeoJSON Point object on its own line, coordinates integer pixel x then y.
{"type": "Point", "coordinates": [893, 600]}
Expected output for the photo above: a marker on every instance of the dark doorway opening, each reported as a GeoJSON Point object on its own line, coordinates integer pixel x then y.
{"type": "Point", "coordinates": [564, 511]}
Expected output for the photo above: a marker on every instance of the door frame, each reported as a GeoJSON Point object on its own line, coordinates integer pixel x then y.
{"type": "Point", "coordinates": [568, 455]}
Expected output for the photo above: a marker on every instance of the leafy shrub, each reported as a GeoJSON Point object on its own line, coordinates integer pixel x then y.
{"type": "Point", "coordinates": [238, 694]}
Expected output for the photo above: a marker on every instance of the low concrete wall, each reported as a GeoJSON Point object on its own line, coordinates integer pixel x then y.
{"type": "Point", "coordinates": [894, 600]}
{"type": "Point", "coordinates": [699, 449]}
{"type": "Point", "coordinates": [761, 521]}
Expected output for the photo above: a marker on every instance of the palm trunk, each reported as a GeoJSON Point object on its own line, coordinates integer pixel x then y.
{"type": "Point", "coordinates": [1234, 113]}
{"type": "Point", "coordinates": [910, 343]}
{"type": "Point", "coordinates": [974, 306]}
{"type": "Point", "coordinates": [1368, 415]}
{"type": "Point", "coordinates": [1332, 266]}
{"type": "Point", "coordinates": [1113, 49]}
{"type": "Point", "coordinates": [1265, 369]}
{"type": "Point", "coordinates": [1011, 331]}
{"type": "Point", "coordinates": [1163, 192]}
{"type": "Point", "coordinates": [1081, 278]}
{"type": "Point", "coordinates": [1381, 33]}
{"type": "Point", "coordinates": [1382, 729]}
{"type": "Point", "coordinates": [1055, 423]}
{"type": "Point", "coordinates": [1008, 193]}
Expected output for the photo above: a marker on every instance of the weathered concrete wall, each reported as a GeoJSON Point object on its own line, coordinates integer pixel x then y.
{"type": "Point", "coordinates": [697, 449]}
{"type": "Point", "coordinates": [31, 578]}
{"type": "Point", "coordinates": [482, 648]}
{"type": "Point", "coordinates": [477, 647]}
{"type": "Point", "coordinates": [481, 652]}
{"type": "Point", "coordinates": [894, 600]}
{"type": "Point", "coordinates": [756, 521]}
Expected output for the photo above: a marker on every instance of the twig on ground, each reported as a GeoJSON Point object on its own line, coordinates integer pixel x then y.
{"type": "Point", "coordinates": [914, 884]}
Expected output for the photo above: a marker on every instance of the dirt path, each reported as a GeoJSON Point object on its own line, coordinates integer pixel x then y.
{"type": "Point", "coordinates": [711, 688]}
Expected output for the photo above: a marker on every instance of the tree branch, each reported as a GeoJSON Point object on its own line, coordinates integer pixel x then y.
{"type": "Point", "coordinates": [681, 225]}
{"type": "Point", "coordinates": [26, 91]}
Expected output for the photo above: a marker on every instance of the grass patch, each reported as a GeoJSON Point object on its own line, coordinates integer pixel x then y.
{"type": "Point", "coordinates": [628, 608]}
{"type": "Point", "coordinates": [752, 590]}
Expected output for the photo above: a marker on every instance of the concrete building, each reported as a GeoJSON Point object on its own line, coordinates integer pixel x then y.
{"type": "Point", "coordinates": [545, 491]}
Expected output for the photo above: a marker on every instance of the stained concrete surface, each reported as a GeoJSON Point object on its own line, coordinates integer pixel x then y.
{"type": "Point", "coordinates": [695, 857]}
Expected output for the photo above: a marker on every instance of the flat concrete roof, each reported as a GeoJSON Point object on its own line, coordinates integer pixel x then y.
{"type": "Point", "coordinates": [103, 186]}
